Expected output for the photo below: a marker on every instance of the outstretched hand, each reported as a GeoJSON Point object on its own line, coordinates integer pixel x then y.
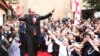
{"type": "Point", "coordinates": [53, 11]}
{"type": "Point", "coordinates": [49, 32]}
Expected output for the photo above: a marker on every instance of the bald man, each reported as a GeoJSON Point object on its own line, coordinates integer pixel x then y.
{"type": "Point", "coordinates": [33, 30]}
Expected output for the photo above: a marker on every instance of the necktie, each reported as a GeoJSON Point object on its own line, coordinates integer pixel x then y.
{"type": "Point", "coordinates": [34, 32]}
{"type": "Point", "coordinates": [34, 20]}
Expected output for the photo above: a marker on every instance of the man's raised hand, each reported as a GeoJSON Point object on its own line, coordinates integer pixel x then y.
{"type": "Point", "coordinates": [53, 11]}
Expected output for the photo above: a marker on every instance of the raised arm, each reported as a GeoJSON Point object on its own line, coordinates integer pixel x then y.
{"type": "Point", "coordinates": [22, 18]}
{"type": "Point", "coordinates": [55, 39]}
{"type": "Point", "coordinates": [47, 15]}
{"type": "Point", "coordinates": [47, 40]}
{"type": "Point", "coordinates": [95, 47]}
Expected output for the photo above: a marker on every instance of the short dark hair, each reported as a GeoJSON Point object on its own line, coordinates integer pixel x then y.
{"type": "Point", "coordinates": [85, 34]}
{"type": "Point", "coordinates": [64, 20]}
{"type": "Point", "coordinates": [12, 29]}
{"type": "Point", "coordinates": [0, 27]}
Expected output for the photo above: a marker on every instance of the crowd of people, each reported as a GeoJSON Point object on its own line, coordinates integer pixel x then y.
{"type": "Point", "coordinates": [63, 38]}
{"type": "Point", "coordinates": [58, 38]}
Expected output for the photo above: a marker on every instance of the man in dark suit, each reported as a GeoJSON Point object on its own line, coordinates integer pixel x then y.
{"type": "Point", "coordinates": [33, 30]}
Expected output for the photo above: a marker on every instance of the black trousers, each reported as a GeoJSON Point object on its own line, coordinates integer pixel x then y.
{"type": "Point", "coordinates": [23, 47]}
{"type": "Point", "coordinates": [55, 49]}
{"type": "Point", "coordinates": [3, 53]}
{"type": "Point", "coordinates": [32, 45]}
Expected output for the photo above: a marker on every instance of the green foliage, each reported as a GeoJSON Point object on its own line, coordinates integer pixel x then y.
{"type": "Point", "coordinates": [93, 3]}
{"type": "Point", "coordinates": [9, 0]}
{"type": "Point", "coordinates": [12, 1]}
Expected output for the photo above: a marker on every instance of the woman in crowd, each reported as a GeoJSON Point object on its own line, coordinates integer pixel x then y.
{"type": "Point", "coordinates": [14, 40]}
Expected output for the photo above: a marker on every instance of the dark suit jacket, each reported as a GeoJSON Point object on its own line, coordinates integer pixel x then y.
{"type": "Point", "coordinates": [29, 24]}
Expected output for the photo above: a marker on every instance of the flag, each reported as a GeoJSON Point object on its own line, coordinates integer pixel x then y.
{"type": "Point", "coordinates": [77, 13]}
{"type": "Point", "coordinates": [72, 5]}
